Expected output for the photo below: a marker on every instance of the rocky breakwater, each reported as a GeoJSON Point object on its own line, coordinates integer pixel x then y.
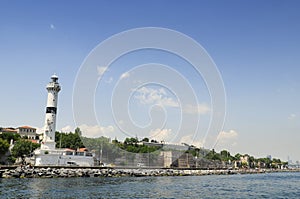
{"type": "Point", "coordinates": [105, 172]}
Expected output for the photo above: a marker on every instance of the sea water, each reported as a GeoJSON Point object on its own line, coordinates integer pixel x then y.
{"type": "Point", "coordinates": [268, 185]}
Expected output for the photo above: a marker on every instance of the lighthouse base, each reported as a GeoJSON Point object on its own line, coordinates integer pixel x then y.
{"type": "Point", "coordinates": [48, 146]}
{"type": "Point", "coordinates": [63, 157]}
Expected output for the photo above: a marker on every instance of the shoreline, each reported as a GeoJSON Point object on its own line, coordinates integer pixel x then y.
{"type": "Point", "coordinates": [67, 172]}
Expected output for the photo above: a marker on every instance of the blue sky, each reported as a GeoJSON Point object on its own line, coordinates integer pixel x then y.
{"type": "Point", "coordinates": [254, 44]}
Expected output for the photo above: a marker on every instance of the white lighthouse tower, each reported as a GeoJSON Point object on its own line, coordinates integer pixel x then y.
{"type": "Point", "coordinates": [53, 87]}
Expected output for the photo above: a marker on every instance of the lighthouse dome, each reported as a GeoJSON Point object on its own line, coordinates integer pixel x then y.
{"type": "Point", "coordinates": [54, 77]}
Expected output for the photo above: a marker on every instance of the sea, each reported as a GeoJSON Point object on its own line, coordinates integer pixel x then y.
{"type": "Point", "coordinates": [268, 185]}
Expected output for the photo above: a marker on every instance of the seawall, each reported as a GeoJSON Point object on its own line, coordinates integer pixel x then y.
{"type": "Point", "coordinates": [56, 172]}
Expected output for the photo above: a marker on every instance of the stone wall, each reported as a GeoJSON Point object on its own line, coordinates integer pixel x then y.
{"type": "Point", "coordinates": [27, 172]}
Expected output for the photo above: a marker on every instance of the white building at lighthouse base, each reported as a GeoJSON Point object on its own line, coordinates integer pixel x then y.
{"type": "Point", "coordinates": [63, 157]}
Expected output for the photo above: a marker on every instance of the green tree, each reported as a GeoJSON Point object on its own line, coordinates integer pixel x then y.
{"type": "Point", "coordinates": [10, 136]}
{"type": "Point", "coordinates": [252, 162]}
{"type": "Point", "coordinates": [212, 155]}
{"type": "Point", "coordinates": [225, 155]}
{"type": "Point", "coordinates": [78, 131]}
{"type": "Point", "coordinates": [68, 140]}
{"type": "Point", "coordinates": [131, 145]}
{"type": "Point", "coordinates": [276, 161]}
{"type": "Point", "coordinates": [23, 148]}
{"type": "Point", "coordinates": [3, 146]}
{"type": "Point", "coordinates": [266, 161]}
{"type": "Point", "coordinates": [237, 156]}
{"type": "Point", "coordinates": [131, 141]}
{"type": "Point", "coordinates": [115, 141]}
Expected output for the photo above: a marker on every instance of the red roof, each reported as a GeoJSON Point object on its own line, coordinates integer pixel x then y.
{"type": "Point", "coordinates": [82, 149]}
{"type": "Point", "coordinates": [26, 127]}
{"type": "Point", "coordinates": [9, 130]}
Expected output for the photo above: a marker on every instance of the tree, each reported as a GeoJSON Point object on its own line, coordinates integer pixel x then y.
{"type": "Point", "coordinates": [10, 136]}
{"type": "Point", "coordinates": [115, 141]}
{"type": "Point", "coordinates": [3, 146]}
{"type": "Point", "coordinates": [131, 141]}
{"type": "Point", "coordinates": [70, 140]}
{"type": "Point", "coordinates": [212, 155]}
{"type": "Point", "coordinates": [238, 156]}
{"type": "Point", "coordinates": [276, 161]}
{"type": "Point", "coordinates": [225, 156]}
{"type": "Point", "coordinates": [78, 131]}
{"type": "Point", "coordinates": [23, 148]}
{"type": "Point", "coordinates": [252, 162]}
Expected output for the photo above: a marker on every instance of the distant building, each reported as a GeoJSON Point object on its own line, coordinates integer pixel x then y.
{"type": "Point", "coordinates": [244, 159]}
{"type": "Point", "coordinates": [27, 131]}
{"type": "Point", "coordinates": [8, 130]}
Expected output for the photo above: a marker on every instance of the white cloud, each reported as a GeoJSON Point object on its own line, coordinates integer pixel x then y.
{"type": "Point", "coordinates": [196, 109]}
{"type": "Point", "coordinates": [155, 96]}
{"type": "Point", "coordinates": [292, 116]}
{"type": "Point", "coordinates": [101, 70]}
{"type": "Point", "coordinates": [160, 134]}
{"type": "Point", "coordinates": [67, 129]}
{"type": "Point", "coordinates": [52, 27]}
{"type": "Point", "coordinates": [223, 135]}
{"type": "Point", "coordinates": [39, 130]}
{"type": "Point", "coordinates": [125, 75]}
{"type": "Point", "coordinates": [188, 139]}
{"type": "Point", "coordinates": [96, 130]}
{"type": "Point", "coordinates": [228, 138]}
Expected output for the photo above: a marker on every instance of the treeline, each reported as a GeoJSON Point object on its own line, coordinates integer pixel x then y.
{"type": "Point", "coordinates": [69, 140]}
{"type": "Point", "coordinates": [133, 145]}
{"type": "Point", "coordinates": [244, 160]}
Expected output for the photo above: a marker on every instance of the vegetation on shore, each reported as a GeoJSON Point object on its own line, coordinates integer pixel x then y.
{"type": "Point", "coordinates": [249, 161]}
{"type": "Point", "coordinates": [22, 146]}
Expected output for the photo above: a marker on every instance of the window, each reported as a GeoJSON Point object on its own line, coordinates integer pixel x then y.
{"type": "Point", "coordinates": [51, 110]}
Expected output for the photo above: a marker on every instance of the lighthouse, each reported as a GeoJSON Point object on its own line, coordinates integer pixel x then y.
{"type": "Point", "coordinates": [48, 141]}
{"type": "Point", "coordinates": [48, 154]}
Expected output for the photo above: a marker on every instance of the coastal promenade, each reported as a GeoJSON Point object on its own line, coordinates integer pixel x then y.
{"type": "Point", "coordinates": [65, 172]}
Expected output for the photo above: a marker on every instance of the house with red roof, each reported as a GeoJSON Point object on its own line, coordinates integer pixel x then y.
{"type": "Point", "coordinates": [29, 132]}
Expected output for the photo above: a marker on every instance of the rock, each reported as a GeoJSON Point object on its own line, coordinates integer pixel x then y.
{"type": "Point", "coordinates": [16, 174]}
